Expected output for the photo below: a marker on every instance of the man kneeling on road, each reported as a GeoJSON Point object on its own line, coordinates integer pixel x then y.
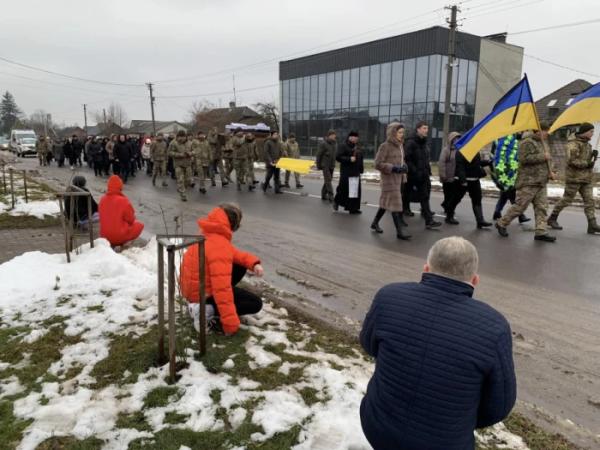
{"type": "Point", "coordinates": [444, 362]}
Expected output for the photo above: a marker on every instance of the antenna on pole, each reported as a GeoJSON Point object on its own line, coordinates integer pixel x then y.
{"type": "Point", "coordinates": [234, 95]}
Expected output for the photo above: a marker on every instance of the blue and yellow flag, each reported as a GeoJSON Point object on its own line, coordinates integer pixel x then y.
{"type": "Point", "coordinates": [584, 108]}
{"type": "Point", "coordinates": [513, 113]}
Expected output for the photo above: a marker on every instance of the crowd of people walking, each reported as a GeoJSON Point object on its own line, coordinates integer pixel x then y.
{"type": "Point", "coordinates": [520, 166]}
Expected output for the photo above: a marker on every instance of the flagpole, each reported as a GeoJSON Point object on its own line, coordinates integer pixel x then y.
{"type": "Point", "coordinates": [544, 142]}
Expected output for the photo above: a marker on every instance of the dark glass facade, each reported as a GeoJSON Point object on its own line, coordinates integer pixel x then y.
{"type": "Point", "coordinates": [367, 98]}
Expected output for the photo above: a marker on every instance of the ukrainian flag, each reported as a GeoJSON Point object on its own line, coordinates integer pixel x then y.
{"type": "Point", "coordinates": [513, 113]}
{"type": "Point", "coordinates": [584, 108]}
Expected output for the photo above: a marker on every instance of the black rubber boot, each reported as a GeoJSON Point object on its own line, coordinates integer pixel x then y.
{"type": "Point", "coordinates": [375, 225]}
{"type": "Point", "coordinates": [400, 234]}
{"type": "Point", "coordinates": [553, 222]}
{"type": "Point", "coordinates": [593, 227]}
{"type": "Point", "coordinates": [451, 220]}
{"type": "Point", "coordinates": [481, 222]}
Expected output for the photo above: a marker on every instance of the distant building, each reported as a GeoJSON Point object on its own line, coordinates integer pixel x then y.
{"type": "Point", "coordinates": [221, 117]}
{"type": "Point", "coordinates": [144, 127]}
{"type": "Point", "coordinates": [70, 131]}
{"type": "Point", "coordinates": [106, 130]}
{"type": "Point", "coordinates": [552, 105]}
{"type": "Point", "coordinates": [364, 87]}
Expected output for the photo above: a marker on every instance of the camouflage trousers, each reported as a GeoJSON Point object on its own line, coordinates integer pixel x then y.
{"type": "Point", "coordinates": [42, 159]}
{"type": "Point", "coordinates": [240, 170]}
{"type": "Point", "coordinates": [296, 176]}
{"type": "Point", "coordinates": [587, 194]}
{"type": "Point", "coordinates": [159, 169]}
{"type": "Point", "coordinates": [203, 173]}
{"type": "Point", "coordinates": [228, 168]}
{"type": "Point", "coordinates": [250, 171]}
{"type": "Point", "coordinates": [218, 165]}
{"type": "Point", "coordinates": [184, 178]}
{"type": "Point", "coordinates": [538, 198]}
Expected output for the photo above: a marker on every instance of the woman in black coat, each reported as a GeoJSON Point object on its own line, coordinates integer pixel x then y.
{"type": "Point", "coordinates": [348, 192]}
{"type": "Point", "coordinates": [122, 155]}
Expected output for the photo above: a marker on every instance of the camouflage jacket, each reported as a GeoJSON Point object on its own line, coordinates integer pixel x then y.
{"type": "Point", "coordinates": [533, 167]}
{"type": "Point", "coordinates": [579, 167]}
{"type": "Point", "coordinates": [251, 150]}
{"type": "Point", "coordinates": [227, 149]}
{"type": "Point", "coordinates": [158, 151]}
{"type": "Point", "coordinates": [291, 149]}
{"type": "Point", "coordinates": [42, 147]}
{"type": "Point", "coordinates": [240, 151]}
{"type": "Point", "coordinates": [215, 146]}
{"type": "Point", "coordinates": [201, 152]}
{"type": "Point", "coordinates": [181, 153]}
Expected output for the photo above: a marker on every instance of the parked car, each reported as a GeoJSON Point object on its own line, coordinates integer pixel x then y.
{"type": "Point", "coordinates": [3, 143]}
{"type": "Point", "coordinates": [22, 142]}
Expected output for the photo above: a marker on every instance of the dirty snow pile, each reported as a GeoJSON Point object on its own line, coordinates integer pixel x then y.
{"type": "Point", "coordinates": [37, 208]}
{"type": "Point", "coordinates": [102, 294]}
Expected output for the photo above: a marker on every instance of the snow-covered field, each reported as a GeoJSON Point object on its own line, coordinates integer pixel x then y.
{"type": "Point", "coordinates": [277, 380]}
{"type": "Point", "coordinates": [36, 208]}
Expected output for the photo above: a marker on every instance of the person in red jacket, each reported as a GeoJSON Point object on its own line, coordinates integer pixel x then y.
{"type": "Point", "coordinates": [117, 217]}
{"type": "Point", "coordinates": [225, 268]}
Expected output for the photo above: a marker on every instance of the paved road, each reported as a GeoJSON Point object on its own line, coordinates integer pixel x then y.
{"type": "Point", "coordinates": [549, 292]}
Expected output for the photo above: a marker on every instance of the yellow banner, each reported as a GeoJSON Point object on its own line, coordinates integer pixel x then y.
{"type": "Point", "coordinates": [295, 165]}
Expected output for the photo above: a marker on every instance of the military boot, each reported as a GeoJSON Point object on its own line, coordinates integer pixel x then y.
{"type": "Point", "coordinates": [553, 222]}
{"type": "Point", "coordinates": [593, 227]}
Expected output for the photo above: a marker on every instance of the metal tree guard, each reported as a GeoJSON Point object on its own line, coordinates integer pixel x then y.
{"type": "Point", "coordinates": [69, 223]}
{"type": "Point", "coordinates": [166, 242]}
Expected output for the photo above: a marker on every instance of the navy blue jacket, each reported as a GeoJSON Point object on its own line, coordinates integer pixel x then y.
{"type": "Point", "coordinates": [444, 366]}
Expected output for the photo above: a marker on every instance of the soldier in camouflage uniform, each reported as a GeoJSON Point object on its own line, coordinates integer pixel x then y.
{"type": "Point", "coordinates": [180, 151]}
{"type": "Point", "coordinates": [240, 158]}
{"type": "Point", "coordinates": [252, 151]}
{"type": "Point", "coordinates": [291, 149]}
{"type": "Point", "coordinates": [202, 160]}
{"type": "Point", "coordinates": [42, 148]}
{"type": "Point", "coordinates": [532, 180]}
{"type": "Point", "coordinates": [217, 157]}
{"type": "Point", "coordinates": [228, 156]}
{"type": "Point", "coordinates": [158, 154]}
{"type": "Point", "coordinates": [579, 177]}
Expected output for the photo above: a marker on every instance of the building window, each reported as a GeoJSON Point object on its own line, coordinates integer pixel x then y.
{"type": "Point", "coordinates": [322, 92]}
{"type": "Point", "coordinates": [306, 82]}
{"type": "Point", "coordinates": [337, 98]}
{"type": "Point", "coordinates": [286, 96]}
{"type": "Point", "coordinates": [433, 82]}
{"type": "Point", "coordinates": [354, 87]}
{"type": "Point", "coordinates": [374, 85]}
{"type": "Point", "coordinates": [363, 95]}
{"type": "Point", "coordinates": [422, 74]}
{"type": "Point", "coordinates": [330, 91]}
{"type": "Point", "coordinates": [397, 70]}
{"type": "Point", "coordinates": [552, 102]}
{"type": "Point", "coordinates": [385, 84]}
{"type": "Point", "coordinates": [345, 89]}
{"type": "Point", "coordinates": [472, 83]}
{"type": "Point", "coordinates": [463, 72]}
{"type": "Point", "coordinates": [408, 84]}
{"type": "Point", "coordinates": [292, 96]}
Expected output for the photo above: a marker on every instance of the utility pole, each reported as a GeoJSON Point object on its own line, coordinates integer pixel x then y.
{"type": "Point", "coordinates": [104, 116]}
{"type": "Point", "coordinates": [449, 71]}
{"type": "Point", "coordinates": [152, 107]}
{"type": "Point", "coordinates": [85, 118]}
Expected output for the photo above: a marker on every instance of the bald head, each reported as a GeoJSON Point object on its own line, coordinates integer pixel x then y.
{"type": "Point", "coordinates": [454, 257]}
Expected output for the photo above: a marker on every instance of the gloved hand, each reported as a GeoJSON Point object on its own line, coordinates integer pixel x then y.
{"type": "Point", "coordinates": [400, 169]}
{"type": "Point", "coordinates": [591, 164]}
{"type": "Point", "coordinates": [594, 154]}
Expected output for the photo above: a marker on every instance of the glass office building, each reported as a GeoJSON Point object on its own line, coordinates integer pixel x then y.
{"type": "Point", "coordinates": [366, 87]}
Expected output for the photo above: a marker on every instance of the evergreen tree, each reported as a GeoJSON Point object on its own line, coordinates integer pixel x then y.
{"type": "Point", "coordinates": [9, 113]}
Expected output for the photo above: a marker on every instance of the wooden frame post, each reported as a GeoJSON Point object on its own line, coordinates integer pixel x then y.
{"type": "Point", "coordinates": [171, 307]}
{"type": "Point", "coordinates": [25, 186]}
{"type": "Point", "coordinates": [161, 303]}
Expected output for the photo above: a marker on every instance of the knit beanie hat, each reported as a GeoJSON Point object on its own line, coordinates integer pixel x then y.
{"type": "Point", "coordinates": [585, 127]}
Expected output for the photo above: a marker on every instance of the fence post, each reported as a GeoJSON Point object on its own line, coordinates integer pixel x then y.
{"type": "Point", "coordinates": [90, 221]}
{"type": "Point", "coordinates": [12, 187]}
{"type": "Point", "coordinates": [161, 303]}
{"type": "Point", "coordinates": [61, 200]}
{"type": "Point", "coordinates": [171, 299]}
{"type": "Point", "coordinates": [4, 177]}
{"type": "Point", "coordinates": [25, 185]}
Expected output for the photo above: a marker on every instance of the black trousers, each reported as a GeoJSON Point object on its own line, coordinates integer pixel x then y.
{"type": "Point", "coordinates": [273, 172]}
{"type": "Point", "coordinates": [473, 187]}
{"type": "Point", "coordinates": [419, 192]}
{"type": "Point", "coordinates": [509, 195]}
{"type": "Point", "coordinates": [245, 301]}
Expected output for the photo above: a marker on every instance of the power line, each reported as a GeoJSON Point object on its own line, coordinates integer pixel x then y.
{"type": "Point", "coordinates": [256, 88]}
{"type": "Point", "coordinates": [279, 58]}
{"type": "Point", "coordinates": [87, 80]}
{"type": "Point", "coordinates": [554, 27]}
{"type": "Point", "coordinates": [503, 9]}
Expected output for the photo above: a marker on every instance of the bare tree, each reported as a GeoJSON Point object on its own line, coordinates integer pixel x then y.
{"type": "Point", "coordinates": [114, 114]}
{"type": "Point", "coordinates": [270, 113]}
{"type": "Point", "coordinates": [199, 107]}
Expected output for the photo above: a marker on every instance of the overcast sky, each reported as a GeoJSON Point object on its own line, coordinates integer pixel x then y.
{"type": "Point", "coordinates": [135, 41]}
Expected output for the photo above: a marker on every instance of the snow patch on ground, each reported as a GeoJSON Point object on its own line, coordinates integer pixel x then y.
{"type": "Point", "coordinates": [102, 294]}
{"type": "Point", "coordinates": [38, 208]}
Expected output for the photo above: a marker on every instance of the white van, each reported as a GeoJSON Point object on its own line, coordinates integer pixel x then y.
{"type": "Point", "coordinates": [22, 142]}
